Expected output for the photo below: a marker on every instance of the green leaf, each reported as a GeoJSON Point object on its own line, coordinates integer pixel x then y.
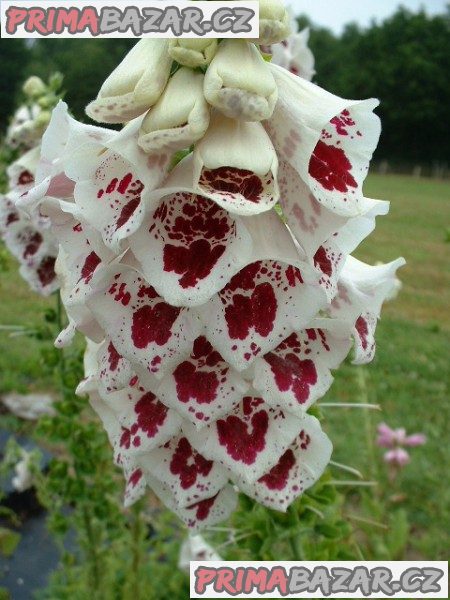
{"type": "Point", "coordinates": [8, 541]}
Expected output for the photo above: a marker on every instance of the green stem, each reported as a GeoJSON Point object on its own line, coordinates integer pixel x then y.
{"type": "Point", "coordinates": [136, 553]}
{"type": "Point", "coordinates": [93, 558]}
{"type": "Point", "coordinates": [295, 538]}
{"type": "Point", "coordinates": [91, 549]}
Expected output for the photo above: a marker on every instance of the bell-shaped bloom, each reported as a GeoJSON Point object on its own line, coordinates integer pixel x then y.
{"type": "Point", "coordinates": [180, 117]}
{"type": "Point", "coordinates": [239, 82]}
{"type": "Point", "coordinates": [362, 291]}
{"type": "Point", "coordinates": [81, 254]}
{"type": "Point", "coordinates": [193, 53]}
{"type": "Point", "coordinates": [294, 54]}
{"type": "Point", "coordinates": [113, 180]}
{"type": "Point", "coordinates": [297, 372]}
{"type": "Point", "coordinates": [254, 311]}
{"type": "Point", "coordinates": [299, 467]}
{"type": "Point", "coordinates": [249, 441]}
{"type": "Point", "coordinates": [27, 236]}
{"type": "Point", "coordinates": [274, 22]}
{"type": "Point", "coordinates": [241, 175]}
{"type": "Point", "coordinates": [329, 141]}
{"type": "Point", "coordinates": [64, 137]}
{"type": "Point", "coordinates": [21, 173]}
{"type": "Point", "coordinates": [319, 230]}
{"type": "Point", "coordinates": [135, 85]}
{"type": "Point", "coordinates": [24, 130]}
{"type": "Point", "coordinates": [196, 548]}
{"type": "Point", "coordinates": [143, 327]}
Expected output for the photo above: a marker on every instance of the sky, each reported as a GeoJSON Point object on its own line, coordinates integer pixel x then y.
{"type": "Point", "coordinates": [334, 14]}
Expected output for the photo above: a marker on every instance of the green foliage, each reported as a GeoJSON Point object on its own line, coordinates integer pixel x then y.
{"type": "Point", "coordinates": [8, 541]}
{"type": "Point", "coordinates": [15, 57]}
{"type": "Point", "coordinates": [313, 528]}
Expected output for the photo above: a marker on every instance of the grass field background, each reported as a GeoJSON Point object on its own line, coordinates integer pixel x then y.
{"type": "Point", "coordinates": [409, 377]}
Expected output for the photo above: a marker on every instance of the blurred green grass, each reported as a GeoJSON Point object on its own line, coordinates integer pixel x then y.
{"type": "Point", "coordinates": [408, 378]}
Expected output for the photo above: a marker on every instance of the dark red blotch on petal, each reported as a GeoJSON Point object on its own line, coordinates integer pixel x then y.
{"type": "Point", "coordinates": [151, 414]}
{"type": "Point", "coordinates": [331, 168]}
{"type": "Point", "coordinates": [46, 270]}
{"type": "Point", "coordinates": [189, 464]}
{"type": "Point", "coordinates": [292, 373]}
{"type": "Point", "coordinates": [244, 441]}
{"type": "Point", "coordinates": [232, 181]}
{"type": "Point", "coordinates": [153, 324]}
{"type": "Point", "coordinates": [277, 477]}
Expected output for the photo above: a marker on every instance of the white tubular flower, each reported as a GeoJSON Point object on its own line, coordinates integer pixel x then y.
{"type": "Point", "coordinates": [239, 83]}
{"type": "Point", "coordinates": [194, 547]}
{"type": "Point", "coordinates": [329, 141]}
{"type": "Point", "coordinates": [193, 53]}
{"type": "Point", "coordinates": [294, 54]}
{"type": "Point", "coordinates": [241, 174]}
{"type": "Point", "coordinates": [362, 291]}
{"type": "Point", "coordinates": [24, 131]}
{"type": "Point", "coordinates": [63, 137]}
{"type": "Point", "coordinates": [274, 22]}
{"type": "Point", "coordinates": [135, 85]}
{"type": "Point", "coordinates": [179, 118]}
{"type": "Point", "coordinates": [28, 237]}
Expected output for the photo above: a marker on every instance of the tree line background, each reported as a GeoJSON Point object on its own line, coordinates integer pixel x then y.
{"type": "Point", "coordinates": [404, 61]}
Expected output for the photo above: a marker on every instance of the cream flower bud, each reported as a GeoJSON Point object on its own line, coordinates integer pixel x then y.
{"type": "Point", "coordinates": [135, 85]}
{"type": "Point", "coordinates": [34, 86]}
{"type": "Point", "coordinates": [180, 117]}
{"type": "Point", "coordinates": [193, 53]}
{"type": "Point", "coordinates": [239, 83]}
{"type": "Point", "coordinates": [274, 22]}
{"type": "Point", "coordinates": [43, 119]}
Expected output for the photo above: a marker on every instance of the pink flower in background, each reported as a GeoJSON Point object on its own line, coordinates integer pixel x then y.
{"type": "Point", "coordinates": [396, 440]}
{"type": "Point", "coordinates": [397, 457]}
{"type": "Point", "coordinates": [390, 438]}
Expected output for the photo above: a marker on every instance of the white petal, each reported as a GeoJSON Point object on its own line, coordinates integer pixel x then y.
{"type": "Point", "coordinates": [189, 248]}
{"type": "Point", "coordinates": [297, 373]}
{"type": "Point", "coordinates": [249, 441]}
{"type": "Point", "coordinates": [236, 165]}
{"type": "Point", "coordinates": [260, 306]}
{"type": "Point", "coordinates": [145, 422]}
{"type": "Point", "coordinates": [202, 514]}
{"type": "Point", "coordinates": [143, 328]}
{"type": "Point", "coordinates": [362, 291]}
{"type": "Point", "coordinates": [297, 470]}
{"type": "Point", "coordinates": [203, 387]}
{"type": "Point", "coordinates": [329, 141]}
{"type": "Point", "coordinates": [190, 477]}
